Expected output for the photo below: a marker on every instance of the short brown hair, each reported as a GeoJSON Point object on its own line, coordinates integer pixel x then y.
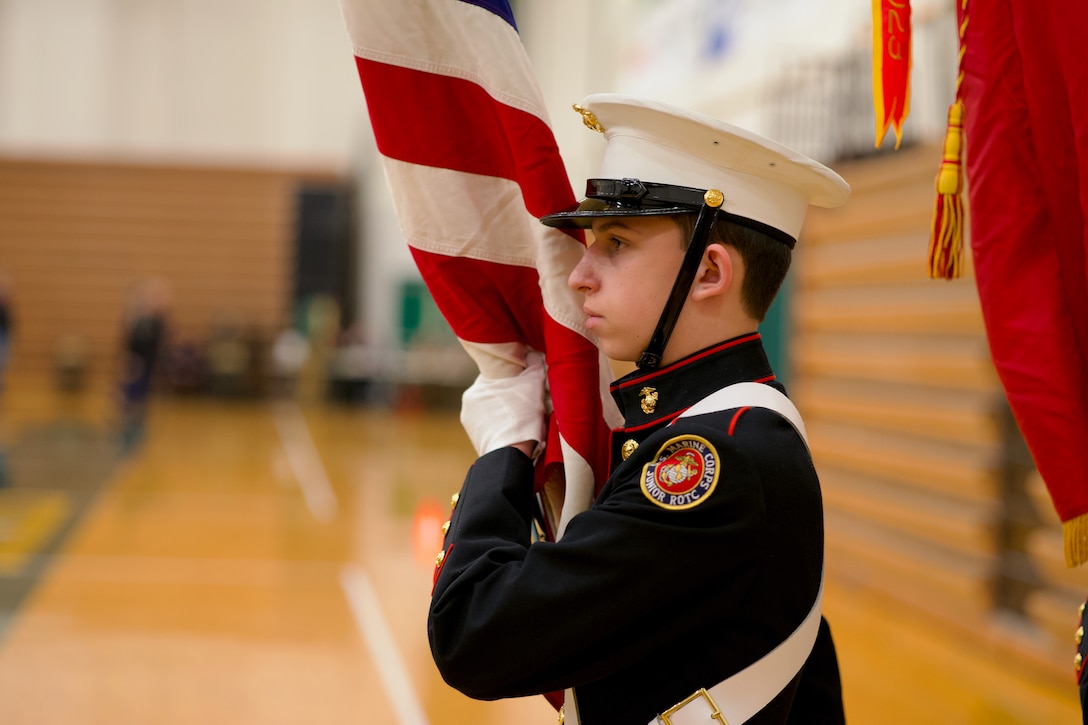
{"type": "Point", "coordinates": [766, 260]}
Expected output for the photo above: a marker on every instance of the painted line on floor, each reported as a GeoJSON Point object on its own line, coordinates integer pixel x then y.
{"type": "Point", "coordinates": [305, 461]}
{"type": "Point", "coordinates": [379, 640]}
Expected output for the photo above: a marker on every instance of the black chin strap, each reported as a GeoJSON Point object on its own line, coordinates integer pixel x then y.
{"type": "Point", "coordinates": [708, 213]}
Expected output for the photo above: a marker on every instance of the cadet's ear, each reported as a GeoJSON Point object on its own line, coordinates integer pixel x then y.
{"type": "Point", "coordinates": [716, 273]}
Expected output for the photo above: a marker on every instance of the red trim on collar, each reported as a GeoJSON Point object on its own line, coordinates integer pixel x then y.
{"type": "Point", "coordinates": [671, 417]}
{"type": "Point", "coordinates": [688, 360]}
{"type": "Point", "coordinates": [657, 421]}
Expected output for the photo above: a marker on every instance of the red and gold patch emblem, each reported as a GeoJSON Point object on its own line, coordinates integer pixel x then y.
{"type": "Point", "coordinates": [684, 474]}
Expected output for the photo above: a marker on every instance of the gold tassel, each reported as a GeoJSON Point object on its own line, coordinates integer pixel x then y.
{"type": "Point", "coordinates": [946, 237]}
{"type": "Point", "coordinates": [1075, 534]}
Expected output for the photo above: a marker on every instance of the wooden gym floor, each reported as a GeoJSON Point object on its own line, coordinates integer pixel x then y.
{"type": "Point", "coordinates": [267, 563]}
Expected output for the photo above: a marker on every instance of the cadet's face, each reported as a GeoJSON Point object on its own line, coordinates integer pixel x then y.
{"type": "Point", "coordinates": [625, 275]}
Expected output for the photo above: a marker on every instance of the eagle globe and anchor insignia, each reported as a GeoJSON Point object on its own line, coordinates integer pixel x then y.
{"type": "Point", "coordinates": [684, 474]}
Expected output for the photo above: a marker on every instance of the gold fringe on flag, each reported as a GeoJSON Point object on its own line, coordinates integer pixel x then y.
{"type": "Point", "coordinates": [1075, 534]}
{"type": "Point", "coordinates": [947, 233]}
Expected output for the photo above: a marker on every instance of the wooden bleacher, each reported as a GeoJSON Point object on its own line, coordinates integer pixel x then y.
{"type": "Point", "coordinates": [75, 236]}
{"type": "Point", "coordinates": [905, 411]}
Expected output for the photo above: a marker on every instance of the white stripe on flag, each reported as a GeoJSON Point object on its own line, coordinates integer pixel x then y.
{"type": "Point", "coordinates": [578, 489]}
{"type": "Point", "coordinates": [456, 214]}
{"type": "Point", "coordinates": [445, 38]}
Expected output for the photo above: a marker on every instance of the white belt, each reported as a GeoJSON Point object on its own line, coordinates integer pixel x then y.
{"type": "Point", "coordinates": [737, 698]}
{"type": "Point", "coordinates": [756, 395]}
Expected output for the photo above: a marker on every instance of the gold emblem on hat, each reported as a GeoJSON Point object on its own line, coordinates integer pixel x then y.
{"type": "Point", "coordinates": [629, 447]}
{"type": "Point", "coordinates": [714, 198]}
{"type": "Point", "coordinates": [588, 118]}
{"type": "Point", "coordinates": [649, 400]}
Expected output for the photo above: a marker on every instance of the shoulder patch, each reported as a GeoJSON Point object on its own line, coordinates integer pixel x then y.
{"type": "Point", "coordinates": [683, 474]}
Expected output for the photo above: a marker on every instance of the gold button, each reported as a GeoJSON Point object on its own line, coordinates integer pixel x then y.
{"type": "Point", "coordinates": [445, 528]}
{"type": "Point", "coordinates": [1078, 660]}
{"type": "Point", "coordinates": [439, 559]}
{"type": "Point", "coordinates": [1079, 636]}
{"type": "Point", "coordinates": [562, 714]}
{"type": "Point", "coordinates": [628, 448]}
{"type": "Point", "coordinates": [453, 500]}
{"type": "Point", "coordinates": [1080, 612]}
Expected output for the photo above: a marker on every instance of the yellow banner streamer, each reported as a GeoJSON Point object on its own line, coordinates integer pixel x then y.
{"type": "Point", "coordinates": [891, 66]}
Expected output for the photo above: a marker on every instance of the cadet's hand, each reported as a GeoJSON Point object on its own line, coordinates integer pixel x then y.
{"type": "Point", "coordinates": [500, 412]}
{"type": "Point", "coordinates": [529, 448]}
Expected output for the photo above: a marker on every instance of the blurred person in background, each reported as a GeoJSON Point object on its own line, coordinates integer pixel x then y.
{"type": "Point", "coordinates": [6, 326]}
{"type": "Point", "coordinates": [230, 354]}
{"type": "Point", "coordinates": [145, 327]}
{"type": "Point", "coordinates": [70, 363]}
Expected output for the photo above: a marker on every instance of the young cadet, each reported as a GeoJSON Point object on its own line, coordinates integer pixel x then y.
{"type": "Point", "coordinates": [690, 590]}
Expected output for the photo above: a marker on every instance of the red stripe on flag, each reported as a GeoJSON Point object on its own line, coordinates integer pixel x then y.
{"type": "Point", "coordinates": [485, 301]}
{"type": "Point", "coordinates": [434, 121]}
{"type": "Point", "coordinates": [578, 409]}
{"type": "Point", "coordinates": [450, 123]}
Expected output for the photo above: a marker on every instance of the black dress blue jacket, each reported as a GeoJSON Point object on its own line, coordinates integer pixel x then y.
{"type": "Point", "coordinates": [642, 602]}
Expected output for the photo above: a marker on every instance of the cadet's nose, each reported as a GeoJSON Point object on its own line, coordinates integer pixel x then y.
{"type": "Point", "coordinates": [581, 277]}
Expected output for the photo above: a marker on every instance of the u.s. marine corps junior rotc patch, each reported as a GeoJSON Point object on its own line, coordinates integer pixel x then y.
{"type": "Point", "coordinates": [683, 475]}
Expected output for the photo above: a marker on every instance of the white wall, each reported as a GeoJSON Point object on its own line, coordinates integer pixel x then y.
{"type": "Point", "coordinates": [274, 79]}
{"type": "Point", "coordinates": [575, 47]}
{"type": "Point", "coordinates": [224, 80]}
{"type": "Point", "coordinates": [715, 56]}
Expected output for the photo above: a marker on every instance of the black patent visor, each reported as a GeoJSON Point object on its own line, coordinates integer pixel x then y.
{"type": "Point", "coordinates": [627, 197]}
{"type": "Point", "coordinates": [633, 197]}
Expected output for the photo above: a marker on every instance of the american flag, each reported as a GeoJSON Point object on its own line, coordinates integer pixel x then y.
{"type": "Point", "coordinates": [472, 164]}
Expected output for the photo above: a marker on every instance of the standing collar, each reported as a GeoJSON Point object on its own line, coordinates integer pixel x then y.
{"type": "Point", "coordinates": [647, 398]}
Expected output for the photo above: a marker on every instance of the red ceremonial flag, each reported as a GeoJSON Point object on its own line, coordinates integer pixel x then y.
{"type": "Point", "coordinates": [891, 66]}
{"type": "Point", "coordinates": [472, 164]}
{"type": "Point", "coordinates": [1025, 98]}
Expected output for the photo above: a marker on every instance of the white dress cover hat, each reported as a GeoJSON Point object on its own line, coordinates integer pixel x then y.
{"type": "Point", "coordinates": [660, 159]}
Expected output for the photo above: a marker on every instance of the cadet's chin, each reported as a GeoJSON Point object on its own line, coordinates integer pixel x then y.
{"type": "Point", "coordinates": [619, 353]}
